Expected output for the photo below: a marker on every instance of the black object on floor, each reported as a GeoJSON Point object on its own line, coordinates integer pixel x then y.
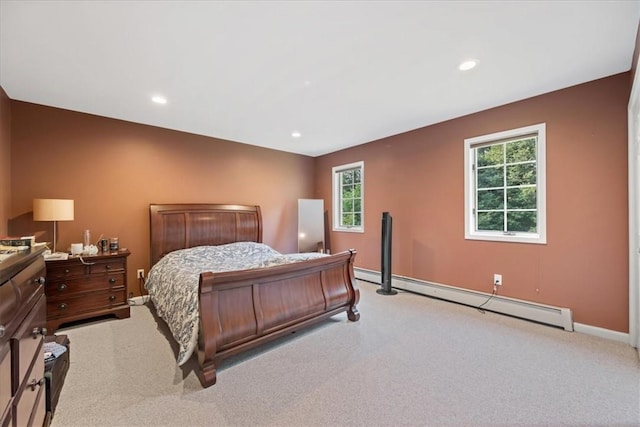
{"type": "Point", "coordinates": [54, 373]}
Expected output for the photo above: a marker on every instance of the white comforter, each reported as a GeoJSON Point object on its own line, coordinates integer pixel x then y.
{"type": "Point", "coordinates": [172, 283]}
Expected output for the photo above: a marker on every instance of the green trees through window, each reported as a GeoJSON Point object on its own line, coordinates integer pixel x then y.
{"type": "Point", "coordinates": [348, 190]}
{"type": "Point", "coordinates": [505, 186]}
{"type": "Point", "coordinates": [351, 198]}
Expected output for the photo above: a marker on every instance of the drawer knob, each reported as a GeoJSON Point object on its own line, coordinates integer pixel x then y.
{"type": "Point", "coordinates": [39, 331]}
{"type": "Point", "coordinates": [62, 286]}
{"type": "Point", "coordinates": [108, 267]}
{"type": "Point", "coordinates": [39, 280]}
{"type": "Point", "coordinates": [112, 298]}
{"type": "Point", "coordinates": [36, 383]}
{"type": "Point", "coordinates": [2, 331]}
{"type": "Point", "coordinates": [66, 271]}
{"type": "Point", "coordinates": [62, 306]}
{"type": "Point", "coordinates": [112, 281]}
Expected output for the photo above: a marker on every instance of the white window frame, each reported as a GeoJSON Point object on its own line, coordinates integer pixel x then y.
{"type": "Point", "coordinates": [337, 197]}
{"type": "Point", "coordinates": [471, 232]}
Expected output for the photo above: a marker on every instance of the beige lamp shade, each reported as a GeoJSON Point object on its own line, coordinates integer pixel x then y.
{"type": "Point", "coordinates": [52, 210]}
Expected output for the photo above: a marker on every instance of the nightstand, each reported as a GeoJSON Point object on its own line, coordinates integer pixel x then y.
{"type": "Point", "coordinates": [84, 287]}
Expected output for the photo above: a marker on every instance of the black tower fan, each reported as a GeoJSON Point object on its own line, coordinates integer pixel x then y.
{"type": "Point", "coordinates": [385, 269]}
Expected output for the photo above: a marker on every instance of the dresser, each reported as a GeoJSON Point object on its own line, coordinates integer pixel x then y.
{"type": "Point", "coordinates": [85, 287]}
{"type": "Point", "coordinates": [22, 331]}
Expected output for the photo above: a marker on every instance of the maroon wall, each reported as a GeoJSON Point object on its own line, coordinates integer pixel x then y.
{"type": "Point", "coordinates": [114, 169]}
{"type": "Point", "coordinates": [418, 177]}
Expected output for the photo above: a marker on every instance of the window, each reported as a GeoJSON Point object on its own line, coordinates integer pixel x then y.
{"type": "Point", "coordinates": [348, 201]}
{"type": "Point", "coordinates": [505, 191]}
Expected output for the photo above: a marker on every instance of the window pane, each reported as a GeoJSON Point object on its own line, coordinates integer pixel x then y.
{"type": "Point", "coordinates": [491, 177]}
{"type": "Point", "coordinates": [504, 200]}
{"type": "Point", "coordinates": [521, 198]}
{"type": "Point", "coordinates": [491, 155]}
{"type": "Point", "coordinates": [490, 199]}
{"type": "Point", "coordinates": [347, 177]}
{"type": "Point", "coordinates": [521, 151]}
{"type": "Point", "coordinates": [357, 190]}
{"type": "Point", "coordinates": [348, 197]}
{"type": "Point", "coordinates": [491, 221]}
{"type": "Point", "coordinates": [521, 174]}
{"type": "Point", "coordinates": [522, 221]}
{"type": "Point", "coordinates": [356, 176]}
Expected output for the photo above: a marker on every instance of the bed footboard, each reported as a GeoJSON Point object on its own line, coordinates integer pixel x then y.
{"type": "Point", "coordinates": [240, 310]}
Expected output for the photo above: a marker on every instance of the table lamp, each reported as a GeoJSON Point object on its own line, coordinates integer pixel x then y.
{"type": "Point", "coordinates": [53, 210]}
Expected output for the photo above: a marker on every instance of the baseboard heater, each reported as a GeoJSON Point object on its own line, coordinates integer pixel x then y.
{"type": "Point", "coordinates": [541, 313]}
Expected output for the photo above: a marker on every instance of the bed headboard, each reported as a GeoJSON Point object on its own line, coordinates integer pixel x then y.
{"type": "Point", "coordinates": [181, 226]}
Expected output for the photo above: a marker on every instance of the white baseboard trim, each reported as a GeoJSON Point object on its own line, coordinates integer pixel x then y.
{"type": "Point", "coordinates": [465, 296]}
{"type": "Point", "coordinates": [547, 314]}
{"type": "Point", "coordinates": [368, 275]}
{"type": "Point", "coordinates": [601, 332]}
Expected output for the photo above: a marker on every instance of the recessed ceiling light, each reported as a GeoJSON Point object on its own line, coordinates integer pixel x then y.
{"type": "Point", "coordinates": [467, 65]}
{"type": "Point", "coordinates": [158, 99]}
{"type": "Point", "coordinates": [296, 134]}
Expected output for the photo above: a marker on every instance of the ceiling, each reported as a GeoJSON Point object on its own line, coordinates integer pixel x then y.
{"type": "Point", "coordinates": [341, 73]}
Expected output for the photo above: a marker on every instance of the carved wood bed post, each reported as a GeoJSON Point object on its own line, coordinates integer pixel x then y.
{"type": "Point", "coordinates": [209, 331]}
{"type": "Point", "coordinates": [352, 312]}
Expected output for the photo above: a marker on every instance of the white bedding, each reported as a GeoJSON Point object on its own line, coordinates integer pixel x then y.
{"type": "Point", "coordinates": [172, 283]}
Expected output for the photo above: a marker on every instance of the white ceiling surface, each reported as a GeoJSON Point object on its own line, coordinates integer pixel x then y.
{"type": "Point", "coordinates": [341, 73]}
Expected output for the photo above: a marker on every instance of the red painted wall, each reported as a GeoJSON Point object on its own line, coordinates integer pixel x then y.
{"type": "Point", "coordinates": [418, 177]}
{"type": "Point", "coordinates": [114, 169]}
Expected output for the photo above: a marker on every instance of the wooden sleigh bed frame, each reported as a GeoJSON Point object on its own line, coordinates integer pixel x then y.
{"type": "Point", "coordinates": [240, 310]}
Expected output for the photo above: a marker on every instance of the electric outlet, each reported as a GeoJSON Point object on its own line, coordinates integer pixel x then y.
{"type": "Point", "coordinates": [497, 279]}
{"type": "Point", "coordinates": [140, 273]}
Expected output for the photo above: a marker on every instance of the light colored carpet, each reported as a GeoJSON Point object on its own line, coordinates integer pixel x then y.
{"type": "Point", "coordinates": [410, 360]}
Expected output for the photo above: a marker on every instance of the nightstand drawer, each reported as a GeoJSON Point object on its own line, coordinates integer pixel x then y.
{"type": "Point", "coordinates": [64, 271]}
{"type": "Point", "coordinates": [107, 266]}
{"type": "Point", "coordinates": [86, 303]}
{"type": "Point", "coordinates": [65, 288]}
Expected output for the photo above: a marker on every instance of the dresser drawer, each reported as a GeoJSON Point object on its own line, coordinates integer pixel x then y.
{"type": "Point", "coordinates": [27, 341]}
{"type": "Point", "coordinates": [29, 281]}
{"type": "Point", "coordinates": [89, 302]}
{"type": "Point", "coordinates": [5, 378]}
{"type": "Point", "coordinates": [29, 405]}
{"type": "Point", "coordinates": [8, 305]}
{"type": "Point", "coordinates": [64, 270]}
{"type": "Point", "coordinates": [107, 266]}
{"type": "Point", "coordinates": [57, 289]}
{"type": "Point", "coordinates": [5, 420]}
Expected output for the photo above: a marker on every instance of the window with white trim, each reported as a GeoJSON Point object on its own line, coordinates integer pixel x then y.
{"type": "Point", "coordinates": [505, 186]}
{"type": "Point", "coordinates": [348, 197]}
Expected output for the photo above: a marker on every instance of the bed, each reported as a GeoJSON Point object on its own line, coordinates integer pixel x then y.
{"type": "Point", "coordinates": [222, 311]}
